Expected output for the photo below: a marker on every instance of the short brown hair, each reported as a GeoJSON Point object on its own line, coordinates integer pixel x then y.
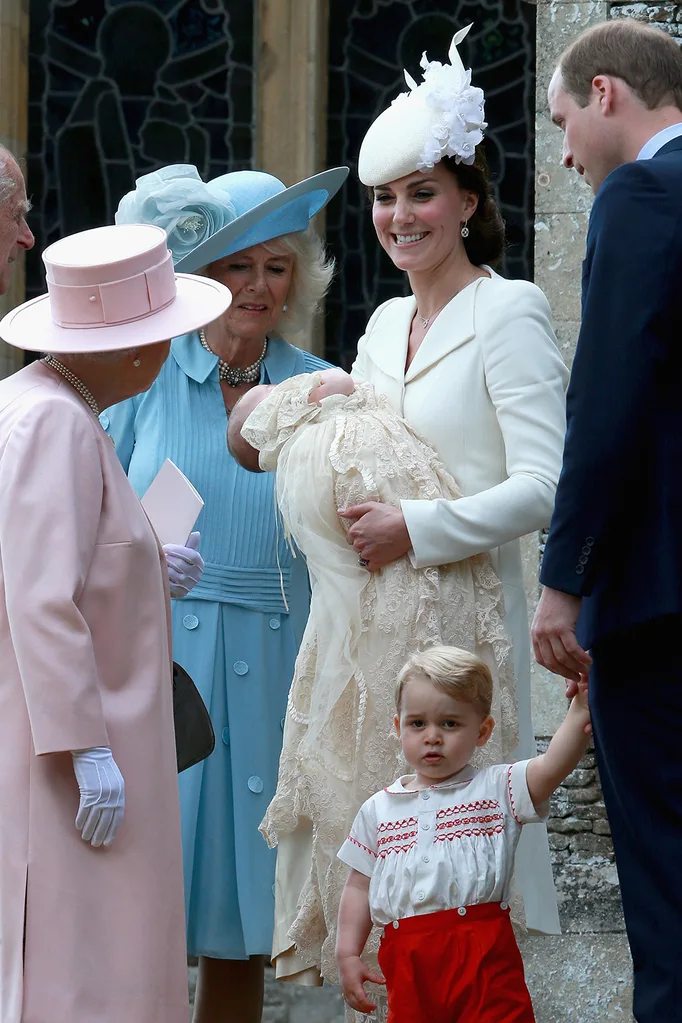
{"type": "Point", "coordinates": [460, 674]}
{"type": "Point", "coordinates": [487, 239]}
{"type": "Point", "coordinates": [644, 57]}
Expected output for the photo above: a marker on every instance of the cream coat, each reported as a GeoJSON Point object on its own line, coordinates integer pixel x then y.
{"type": "Point", "coordinates": [84, 661]}
{"type": "Point", "coordinates": [486, 389]}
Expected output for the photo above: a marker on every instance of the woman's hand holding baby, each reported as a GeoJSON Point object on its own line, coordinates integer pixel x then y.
{"type": "Point", "coordinates": [378, 533]}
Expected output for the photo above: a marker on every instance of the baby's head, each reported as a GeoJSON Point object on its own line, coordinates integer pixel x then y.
{"type": "Point", "coordinates": [241, 450]}
{"type": "Point", "coordinates": [443, 700]}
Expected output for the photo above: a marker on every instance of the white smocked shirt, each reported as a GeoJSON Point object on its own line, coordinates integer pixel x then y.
{"type": "Point", "coordinates": [448, 846]}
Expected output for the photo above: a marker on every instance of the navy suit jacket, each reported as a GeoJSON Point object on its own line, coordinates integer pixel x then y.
{"type": "Point", "coordinates": [616, 533]}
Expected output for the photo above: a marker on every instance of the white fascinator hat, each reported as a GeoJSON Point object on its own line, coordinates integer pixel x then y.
{"type": "Point", "coordinates": [441, 116]}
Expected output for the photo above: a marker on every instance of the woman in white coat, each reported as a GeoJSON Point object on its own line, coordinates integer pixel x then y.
{"type": "Point", "coordinates": [470, 360]}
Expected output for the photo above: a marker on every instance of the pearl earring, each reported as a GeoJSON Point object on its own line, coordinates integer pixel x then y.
{"type": "Point", "coordinates": [136, 363]}
{"type": "Point", "coordinates": [465, 230]}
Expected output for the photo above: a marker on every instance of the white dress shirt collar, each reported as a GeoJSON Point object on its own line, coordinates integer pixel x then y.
{"type": "Point", "coordinates": [660, 139]}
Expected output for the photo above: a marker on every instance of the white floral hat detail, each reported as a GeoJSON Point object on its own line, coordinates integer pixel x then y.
{"type": "Point", "coordinates": [441, 116]}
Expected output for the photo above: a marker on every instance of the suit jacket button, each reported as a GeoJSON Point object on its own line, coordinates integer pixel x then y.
{"type": "Point", "coordinates": [589, 540]}
{"type": "Point", "coordinates": [587, 550]}
{"type": "Point", "coordinates": [580, 569]}
{"type": "Point", "coordinates": [582, 560]}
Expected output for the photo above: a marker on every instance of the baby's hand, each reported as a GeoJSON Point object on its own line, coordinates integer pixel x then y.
{"type": "Point", "coordinates": [354, 974]}
{"type": "Point", "coordinates": [332, 381]}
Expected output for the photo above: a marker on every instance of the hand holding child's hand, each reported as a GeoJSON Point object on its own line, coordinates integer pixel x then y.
{"type": "Point", "coordinates": [332, 381]}
{"type": "Point", "coordinates": [354, 975]}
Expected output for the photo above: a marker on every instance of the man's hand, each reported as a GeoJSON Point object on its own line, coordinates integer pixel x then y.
{"type": "Point", "coordinates": [353, 975]}
{"type": "Point", "coordinates": [553, 635]}
{"type": "Point", "coordinates": [378, 533]}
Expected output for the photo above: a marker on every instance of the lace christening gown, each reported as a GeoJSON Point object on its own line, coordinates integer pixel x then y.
{"type": "Point", "coordinates": [339, 741]}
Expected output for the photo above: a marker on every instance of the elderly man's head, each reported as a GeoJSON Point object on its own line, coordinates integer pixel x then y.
{"type": "Point", "coordinates": [15, 234]}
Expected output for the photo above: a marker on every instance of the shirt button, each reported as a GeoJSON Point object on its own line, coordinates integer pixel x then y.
{"type": "Point", "coordinates": [462, 911]}
{"type": "Point", "coordinates": [425, 825]}
{"type": "Point", "coordinates": [104, 420]}
{"type": "Point", "coordinates": [225, 735]}
{"type": "Point", "coordinates": [240, 667]}
{"type": "Point", "coordinates": [255, 784]}
{"type": "Point", "coordinates": [420, 896]}
{"type": "Point", "coordinates": [426, 795]}
{"type": "Point", "coordinates": [274, 623]}
{"type": "Point", "coordinates": [426, 859]}
{"type": "Point", "coordinates": [504, 905]}
{"type": "Point", "coordinates": [190, 622]}
{"type": "Point", "coordinates": [396, 924]}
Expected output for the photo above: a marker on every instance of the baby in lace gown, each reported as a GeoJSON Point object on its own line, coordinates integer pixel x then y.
{"type": "Point", "coordinates": [335, 444]}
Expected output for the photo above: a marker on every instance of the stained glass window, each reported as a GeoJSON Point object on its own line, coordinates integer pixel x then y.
{"type": "Point", "coordinates": [370, 42]}
{"type": "Point", "coordinates": [118, 88]}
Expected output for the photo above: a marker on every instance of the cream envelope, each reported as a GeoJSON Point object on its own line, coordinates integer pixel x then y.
{"type": "Point", "coordinates": [172, 504]}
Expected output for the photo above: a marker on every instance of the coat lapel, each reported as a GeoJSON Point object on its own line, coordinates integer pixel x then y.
{"type": "Point", "coordinates": [454, 325]}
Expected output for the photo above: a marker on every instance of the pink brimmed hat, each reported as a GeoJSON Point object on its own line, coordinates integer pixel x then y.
{"type": "Point", "coordinates": [111, 288]}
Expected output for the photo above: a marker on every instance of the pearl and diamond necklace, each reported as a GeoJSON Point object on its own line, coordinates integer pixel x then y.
{"type": "Point", "coordinates": [71, 378]}
{"type": "Point", "coordinates": [234, 375]}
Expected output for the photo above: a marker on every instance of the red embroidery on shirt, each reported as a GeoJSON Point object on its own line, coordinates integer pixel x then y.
{"type": "Point", "coordinates": [480, 804]}
{"type": "Point", "coordinates": [396, 838]}
{"type": "Point", "coordinates": [511, 796]}
{"type": "Point", "coordinates": [409, 822]}
{"type": "Point", "coordinates": [396, 849]}
{"type": "Point", "coordinates": [488, 818]}
{"type": "Point", "coordinates": [361, 846]}
{"type": "Point", "coordinates": [470, 833]}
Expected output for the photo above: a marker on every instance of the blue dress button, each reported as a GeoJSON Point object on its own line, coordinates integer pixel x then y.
{"type": "Point", "coordinates": [274, 623]}
{"type": "Point", "coordinates": [255, 783]}
{"type": "Point", "coordinates": [104, 420]}
{"type": "Point", "coordinates": [190, 621]}
{"type": "Point", "coordinates": [240, 667]}
{"type": "Point", "coordinates": [226, 736]}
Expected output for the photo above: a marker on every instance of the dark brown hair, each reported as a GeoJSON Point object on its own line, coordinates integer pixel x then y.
{"type": "Point", "coordinates": [642, 56]}
{"type": "Point", "coordinates": [487, 240]}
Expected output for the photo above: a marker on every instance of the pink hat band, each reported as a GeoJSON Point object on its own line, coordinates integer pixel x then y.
{"type": "Point", "coordinates": [111, 293]}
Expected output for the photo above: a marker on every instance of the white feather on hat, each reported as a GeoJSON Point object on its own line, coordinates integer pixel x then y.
{"type": "Point", "coordinates": [442, 116]}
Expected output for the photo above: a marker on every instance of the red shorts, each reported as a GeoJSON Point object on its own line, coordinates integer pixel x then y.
{"type": "Point", "coordinates": [450, 967]}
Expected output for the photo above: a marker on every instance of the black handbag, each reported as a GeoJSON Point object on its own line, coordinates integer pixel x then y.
{"type": "Point", "coordinates": [194, 735]}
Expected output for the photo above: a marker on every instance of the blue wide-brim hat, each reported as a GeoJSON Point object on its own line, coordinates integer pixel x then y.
{"type": "Point", "coordinates": [207, 221]}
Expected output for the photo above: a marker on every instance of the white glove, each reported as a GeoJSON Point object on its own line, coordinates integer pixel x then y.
{"type": "Point", "coordinates": [102, 795]}
{"type": "Point", "coordinates": [185, 566]}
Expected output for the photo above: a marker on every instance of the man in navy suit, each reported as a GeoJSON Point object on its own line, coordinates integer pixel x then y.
{"type": "Point", "coordinates": [612, 570]}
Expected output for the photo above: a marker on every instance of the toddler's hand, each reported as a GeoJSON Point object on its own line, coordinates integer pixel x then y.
{"type": "Point", "coordinates": [580, 701]}
{"type": "Point", "coordinates": [332, 381]}
{"type": "Point", "coordinates": [354, 975]}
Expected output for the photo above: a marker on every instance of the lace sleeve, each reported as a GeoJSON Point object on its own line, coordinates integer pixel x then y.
{"type": "Point", "coordinates": [275, 419]}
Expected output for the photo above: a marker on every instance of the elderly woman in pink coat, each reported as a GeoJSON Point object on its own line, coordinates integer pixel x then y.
{"type": "Point", "coordinates": [91, 903]}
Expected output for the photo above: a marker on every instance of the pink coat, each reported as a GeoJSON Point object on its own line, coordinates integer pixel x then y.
{"type": "Point", "coordinates": [84, 661]}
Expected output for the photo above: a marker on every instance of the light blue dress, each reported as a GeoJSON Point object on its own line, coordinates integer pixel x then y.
{"type": "Point", "coordinates": [232, 634]}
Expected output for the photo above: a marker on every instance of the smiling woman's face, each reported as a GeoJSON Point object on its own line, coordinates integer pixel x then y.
{"type": "Point", "coordinates": [418, 218]}
{"type": "Point", "coordinates": [259, 281]}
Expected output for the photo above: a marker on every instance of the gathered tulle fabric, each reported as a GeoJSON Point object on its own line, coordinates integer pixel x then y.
{"type": "Point", "coordinates": [339, 741]}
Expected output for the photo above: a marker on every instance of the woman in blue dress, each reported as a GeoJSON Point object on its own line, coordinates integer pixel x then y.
{"type": "Point", "coordinates": [239, 631]}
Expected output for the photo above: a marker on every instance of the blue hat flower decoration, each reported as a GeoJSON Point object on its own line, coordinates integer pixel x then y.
{"type": "Point", "coordinates": [176, 199]}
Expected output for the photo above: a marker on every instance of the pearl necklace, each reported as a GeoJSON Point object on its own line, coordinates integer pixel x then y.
{"type": "Point", "coordinates": [427, 319]}
{"type": "Point", "coordinates": [234, 375]}
{"type": "Point", "coordinates": [77, 384]}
